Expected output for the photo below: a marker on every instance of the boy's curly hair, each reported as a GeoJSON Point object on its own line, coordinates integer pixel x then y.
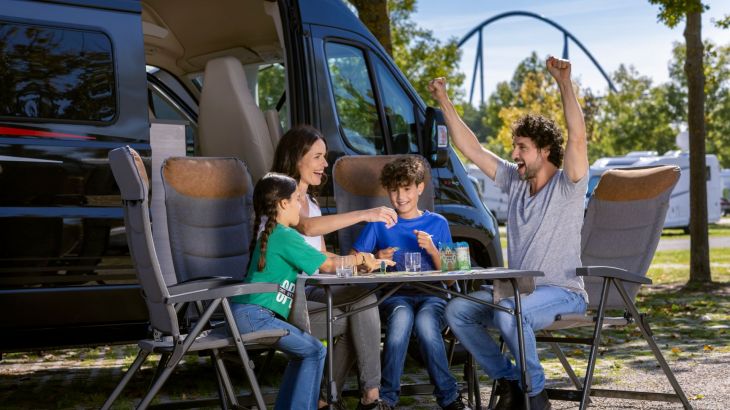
{"type": "Point", "coordinates": [543, 132]}
{"type": "Point", "coordinates": [403, 171]}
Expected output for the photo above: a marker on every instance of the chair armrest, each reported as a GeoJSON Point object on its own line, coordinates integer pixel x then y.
{"type": "Point", "coordinates": [206, 293]}
{"type": "Point", "coordinates": [203, 283]}
{"type": "Point", "coordinates": [612, 272]}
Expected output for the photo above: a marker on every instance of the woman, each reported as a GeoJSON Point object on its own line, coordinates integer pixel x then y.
{"type": "Point", "coordinates": [301, 154]}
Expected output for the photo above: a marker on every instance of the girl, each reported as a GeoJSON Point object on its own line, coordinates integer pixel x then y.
{"type": "Point", "coordinates": [301, 154]}
{"type": "Point", "coordinates": [278, 256]}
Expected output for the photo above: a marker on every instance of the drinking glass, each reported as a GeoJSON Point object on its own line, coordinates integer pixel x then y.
{"type": "Point", "coordinates": [343, 267]}
{"type": "Point", "coordinates": [413, 261]}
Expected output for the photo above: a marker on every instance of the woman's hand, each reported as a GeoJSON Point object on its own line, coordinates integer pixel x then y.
{"type": "Point", "coordinates": [381, 214]}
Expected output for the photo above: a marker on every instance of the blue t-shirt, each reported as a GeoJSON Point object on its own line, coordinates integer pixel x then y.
{"type": "Point", "coordinates": [375, 236]}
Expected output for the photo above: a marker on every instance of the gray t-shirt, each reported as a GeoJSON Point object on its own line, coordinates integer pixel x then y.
{"type": "Point", "coordinates": [543, 231]}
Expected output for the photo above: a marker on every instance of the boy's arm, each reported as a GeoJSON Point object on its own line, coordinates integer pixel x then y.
{"type": "Point", "coordinates": [576, 149]}
{"type": "Point", "coordinates": [463, 137]}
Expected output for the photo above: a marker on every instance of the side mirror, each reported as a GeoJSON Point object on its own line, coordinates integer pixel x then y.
{"type": "Point", "coordinates": [435, 138]}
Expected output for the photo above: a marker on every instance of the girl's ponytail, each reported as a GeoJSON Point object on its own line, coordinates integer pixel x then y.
{"type": "Point", "coordinates": [271, 189]}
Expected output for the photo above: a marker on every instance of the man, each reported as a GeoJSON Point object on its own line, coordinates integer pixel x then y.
{"type": "Point", "coordinates": [545, 215]}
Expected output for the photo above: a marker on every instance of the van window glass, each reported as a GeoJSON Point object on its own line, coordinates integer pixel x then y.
{"type": "Point", "coordinates": [56, 73]}
{"type": "Point", "coordinates": [354, 98]}
{"type": "Point", "coordinates": [398, 111]}
{"type": "Point", "coordinates": [162, 108]}
{"type": "Point", "coordinates": [270, 89]}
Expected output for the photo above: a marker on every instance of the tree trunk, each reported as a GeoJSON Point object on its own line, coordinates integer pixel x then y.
{"type": "Point", "coordinates": [374, 13]}
{"type": "Point", "coordinates": [699, 271]}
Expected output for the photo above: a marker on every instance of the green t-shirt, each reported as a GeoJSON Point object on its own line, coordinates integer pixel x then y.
{"type": "Point", "coordinates": [287, 254]}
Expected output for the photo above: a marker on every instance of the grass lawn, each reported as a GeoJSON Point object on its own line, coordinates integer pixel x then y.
{"type": "Point", "coordinates": [713, 230]}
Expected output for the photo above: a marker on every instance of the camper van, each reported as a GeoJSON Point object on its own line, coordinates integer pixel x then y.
{"type": "Point", "coordinates": [82, 77]}
{"type": "Point", "coordinates": [678, 212]}
{"type": "Point", "coordinates": [494, 199]}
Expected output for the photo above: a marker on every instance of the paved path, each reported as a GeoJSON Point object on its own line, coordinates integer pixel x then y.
{"type": "Point", "coordinates": [673, 244]}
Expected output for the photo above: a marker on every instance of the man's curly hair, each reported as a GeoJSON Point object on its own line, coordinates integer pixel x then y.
{"type": "Point", "coordinates": [543, 132]}
{"type": "Point", "coordinates": [402, 172]}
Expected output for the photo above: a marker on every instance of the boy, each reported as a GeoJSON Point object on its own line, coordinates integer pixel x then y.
{"type": "Point", "coordinates": [408, 310]}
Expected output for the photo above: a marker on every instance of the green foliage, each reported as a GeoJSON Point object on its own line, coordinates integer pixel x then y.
{"type": "Point", "coordinates": [419, 55]}
{"type": "Point", "coordinates": [717, 95]}
{"type": "Point", "coordinates": [671, 12]}
{"type": "Point", "coordinates": [531, 90]}
{"type": "Point", "coordinates": [635, 118]}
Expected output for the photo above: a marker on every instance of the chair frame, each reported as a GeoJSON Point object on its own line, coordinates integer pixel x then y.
{"type": "Point", "coordinates": [166, 302]}
{"type": "Point", "coordinates": [616, 277]}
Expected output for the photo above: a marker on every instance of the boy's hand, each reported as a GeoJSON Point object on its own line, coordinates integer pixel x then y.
{"type": "Point", "coordinates": [386, 253]}
{"type": "Point", "coordinates": [559, 69]}
{"type": "Point", "coordinates": [425, 241]}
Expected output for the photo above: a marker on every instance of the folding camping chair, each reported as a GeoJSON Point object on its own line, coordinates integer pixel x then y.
{"type": "Point", "coordinates": [164, 301]}
{"type": "Point", "coordinates": [622, 227]}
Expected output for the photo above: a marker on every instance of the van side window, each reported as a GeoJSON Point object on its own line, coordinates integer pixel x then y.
{"type": "Point", "coordinates": [56, 73]}
{"type": "Point", "coordinates": [398, 111]}
{"type": "Point", "coordinates": [270, 91]}
{"type": "Point", "coordinates": [354, 98]}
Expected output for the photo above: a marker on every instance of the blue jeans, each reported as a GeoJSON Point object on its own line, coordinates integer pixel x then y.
{"type": "Point", "coordinates": [469, 322]}
{"type": "Point", "coordinates": [403, 314]}
{"type": "Point", "coordinates": [303, 375]}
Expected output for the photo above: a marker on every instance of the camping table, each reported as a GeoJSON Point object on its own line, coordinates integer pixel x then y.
{"type": "Point", "coordinates": [390, 282]}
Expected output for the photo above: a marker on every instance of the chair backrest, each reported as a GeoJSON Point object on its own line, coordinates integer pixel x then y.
{"type": "Point", "coordinates": [356, 181]}
{"type": "Point", "coordinates": [230, 123]}
{"type": "Point", "coordinates": [623, 224]}
{"type": "Point", "coordinates": [275, 129]}
{"type": "Point", "coordinates": [131, 177]}
{"type": "Point", "coordinates": [209, 215]}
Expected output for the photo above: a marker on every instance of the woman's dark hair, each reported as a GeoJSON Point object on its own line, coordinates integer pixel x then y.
{"type": "Point", "coordinates": [543, 132]}
{"type": "Point", "coordinates": [294, 145]}
{"type": "Point", "coordinates": [269, 191]}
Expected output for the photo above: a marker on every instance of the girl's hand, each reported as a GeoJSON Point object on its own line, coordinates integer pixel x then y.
{"type": "Point", "coordinates": [386, 253]}
{"type": "Point", "coordinates": [425, 241]}
{"type": "Point", "coordinates": [369, 262]}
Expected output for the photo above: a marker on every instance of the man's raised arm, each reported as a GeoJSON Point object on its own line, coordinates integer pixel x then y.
{"type": "Point", "coordinates": [576, 151]}
{"type": "Point", "coordinates": [463, 137]}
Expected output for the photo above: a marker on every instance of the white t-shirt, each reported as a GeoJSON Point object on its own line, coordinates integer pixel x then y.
{"type": "Point", "coordinates": [314, 241]}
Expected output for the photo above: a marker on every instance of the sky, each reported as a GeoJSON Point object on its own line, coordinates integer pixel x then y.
{"type": "Point", "coordinates": [614, 31]}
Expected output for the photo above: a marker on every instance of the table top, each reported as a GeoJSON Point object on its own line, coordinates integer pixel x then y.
{"type": "Point", "coordinates": [427, 276]}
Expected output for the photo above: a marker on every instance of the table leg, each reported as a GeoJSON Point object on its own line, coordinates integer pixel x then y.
{"type": "Point", "coordinates": [521, 343]}
{"type": "Point", "coordinates": [331, 384]}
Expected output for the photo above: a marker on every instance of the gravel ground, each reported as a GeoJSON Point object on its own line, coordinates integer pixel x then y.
{"type": "Point", "coordinates": [45, 382]}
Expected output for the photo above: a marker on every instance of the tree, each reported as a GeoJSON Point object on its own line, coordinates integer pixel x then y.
{"type": "Point", "coordinates": [374, 14]}
{"type": "Point", "coordinates": [717, 95]}
{"type": "Point", "coordinates": [418, 54]}
{"type": "Point", "coordinates": [671, 12]}
{"type": "Point", "coordinates": [634, 118]}
{"type": "Point", "coordinates": [531, 90]}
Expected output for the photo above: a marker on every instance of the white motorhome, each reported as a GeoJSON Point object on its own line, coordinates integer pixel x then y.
{"type": "Point", "coordinates": [679, 210]}
{"type": "Point", "coordinates": [490, 193]}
